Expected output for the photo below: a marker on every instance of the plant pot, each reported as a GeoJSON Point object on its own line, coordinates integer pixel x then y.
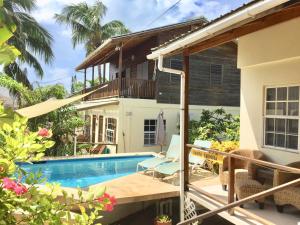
{"type": "Point", "coordinates": [163, 223]}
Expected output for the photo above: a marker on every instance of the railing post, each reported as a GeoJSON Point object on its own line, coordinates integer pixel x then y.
{"type": "Point", "coordinates": [231, 182]}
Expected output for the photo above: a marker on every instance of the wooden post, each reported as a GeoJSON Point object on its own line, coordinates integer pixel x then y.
{"type": "Point", "coordinates": [231, 182]}
{"type": "Point", "coordinates": [99, 73]}
{"type": "Point", "coordinates": [93, 76]}
{"type": "Point", "coordinates": [84, 83]}
{"type": "Point", "coordinates": [186, 66]}
{"type": "Point", "coordinates": [104, 72]}
{"type": "Point", "coordinates": [120, 66]}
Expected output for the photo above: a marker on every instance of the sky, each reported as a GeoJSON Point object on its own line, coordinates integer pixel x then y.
{"type": "Point", "coordinates": [135, 14]}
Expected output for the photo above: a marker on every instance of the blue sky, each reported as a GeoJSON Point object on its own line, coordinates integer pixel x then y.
{"type": "Point", "coordinates": [136, 14]}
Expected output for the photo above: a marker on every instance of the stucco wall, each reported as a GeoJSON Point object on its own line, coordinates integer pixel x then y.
{"type": "Point", "coordinates": [267, 57]}
{"type": "Point", "coordinates": [131, 113]}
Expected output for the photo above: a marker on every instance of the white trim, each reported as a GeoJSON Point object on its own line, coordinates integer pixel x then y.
{"type": "Point", "coordinates": [285, 117]}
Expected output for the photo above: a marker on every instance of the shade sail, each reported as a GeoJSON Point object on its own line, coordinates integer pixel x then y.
{"type": "Point", "coordinates": [49, 106]}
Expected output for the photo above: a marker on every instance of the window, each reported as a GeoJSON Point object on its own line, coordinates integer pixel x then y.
{"type": "Point", "coordinates": [216, 75]}
{"type": "Point", "coordinates": [282, 117]}
{"type": "Point", "coordinates": [150, 131]}
{"type": "Point", "coordinates": [110, 130]}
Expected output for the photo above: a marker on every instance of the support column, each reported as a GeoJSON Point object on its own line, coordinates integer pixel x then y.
{"type": "Point", "coordinates": [84, 82]}
{"type": "Point", "coordinates": [99, 74]}
{"type": "Point", "coordinates": [93, 76]}
{"type": "Point", "coordinates": [104, 72]}
{"type": "Point", "coordinates": [186, 69]}
{"type": "Point", "coordinates": [120, 67]}
{"type": "Point", "coordinates": [231, 181]}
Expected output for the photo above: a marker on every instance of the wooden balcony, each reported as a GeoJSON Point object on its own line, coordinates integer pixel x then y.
{"type": "Point", "coordinates": [127, 88]}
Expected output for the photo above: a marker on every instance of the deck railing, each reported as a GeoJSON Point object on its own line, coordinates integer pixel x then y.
{"type": "Point", "coordinates": [124, 87]}
{"type": "Point", "coordinates": [231, 203]}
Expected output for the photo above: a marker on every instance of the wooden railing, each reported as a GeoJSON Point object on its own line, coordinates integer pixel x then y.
{"type": "Point", "coordinates": [231, 203]}
{"type": "Point", "coordinates": [124, 87]}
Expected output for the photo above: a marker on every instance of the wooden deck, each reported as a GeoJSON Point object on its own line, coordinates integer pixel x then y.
{"type": "Point", "coordinates": [137, 188]}
{"type": "Point", "coordinates": [250, 214]}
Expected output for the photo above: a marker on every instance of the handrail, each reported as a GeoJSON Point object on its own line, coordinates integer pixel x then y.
{"type": "Point", "coordinates": [242, 201]}
{"type": "Point", "coordinates": [231, 204]}
{"type": "Point", "coordinates": [255, 161]}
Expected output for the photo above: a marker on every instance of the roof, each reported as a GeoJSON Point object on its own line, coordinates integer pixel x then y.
{"type": "Point", "coordinates": [216, 26]}
{"type": "Point", "coordinates": [132, 39]}
{"type": "Point", "coordinates": [207, 24]}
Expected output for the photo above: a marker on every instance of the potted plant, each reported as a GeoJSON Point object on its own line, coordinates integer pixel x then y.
{"type": "Point", "coordinates": [163, 220]}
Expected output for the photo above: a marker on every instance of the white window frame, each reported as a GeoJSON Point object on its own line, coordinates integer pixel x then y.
{"type": "Point", "coordinates": [265, 116]}
{"type": "Point", "coordinates": [152, 132]}
{"type": "Point", "coordinates": [113, 131]}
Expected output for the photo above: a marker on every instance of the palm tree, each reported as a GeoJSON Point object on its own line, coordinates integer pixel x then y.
{"type": "Point", "coordinates": [31, 39]}
{"type": "Point", "coordinates": [85, 22]}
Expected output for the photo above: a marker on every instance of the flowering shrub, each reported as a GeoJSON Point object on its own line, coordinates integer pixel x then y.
{"type": "Point", "coordinates": [26, 203]}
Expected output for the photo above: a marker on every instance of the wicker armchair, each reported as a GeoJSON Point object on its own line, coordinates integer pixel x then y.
{"type": "Point", "coordinates": [288, 196]}
{"type": "Point", "coordinates": [243, 168]}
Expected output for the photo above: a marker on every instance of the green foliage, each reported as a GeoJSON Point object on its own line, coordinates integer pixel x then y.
{"type": "Point", "coordinates": [31, 39]}
{"type": "Point", "coordinates": [85, 21]}
{"type": "Point", "coordinates": [62, 121]}
{"type": "Point", "coordinates": [215, 125]}
{"type": "Point", "coordinates": [163, 219]}
{"type": "Point", "coordinates": [29, 204]}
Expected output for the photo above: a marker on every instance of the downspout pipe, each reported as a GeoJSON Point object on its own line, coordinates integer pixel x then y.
{"type": "Point", "coordinates": [182, 104]}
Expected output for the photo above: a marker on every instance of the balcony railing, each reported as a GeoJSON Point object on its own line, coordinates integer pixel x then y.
{"type": "Point", "coordinates": [124, 87]}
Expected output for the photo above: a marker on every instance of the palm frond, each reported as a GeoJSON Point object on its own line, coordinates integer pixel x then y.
{"type": "Point", "coordinates": [113, 28]}
{"type": "Point", "coordinates": [14, 71]}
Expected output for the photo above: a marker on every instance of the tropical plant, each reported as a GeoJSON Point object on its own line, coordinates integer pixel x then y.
{"type": "Point", "coordinates": [86, 24]}
{"type": "Point", "coordinates": [215, 125]}
{"type": "Point", "coordinates": [22, 201]}
{"type": "Point", "coordinates": [163, 219]}
{"type": "Point", "coordinates": [31, 39]}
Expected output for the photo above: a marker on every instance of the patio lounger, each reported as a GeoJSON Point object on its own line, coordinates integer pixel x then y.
{"type": "Point", "coordinates": [170, 168]}
{"type": "Point", "coordinates": [171, 155]}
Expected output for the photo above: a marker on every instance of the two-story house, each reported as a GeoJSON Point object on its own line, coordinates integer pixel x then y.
{"type": "Point", "coordinates": [124, 109]}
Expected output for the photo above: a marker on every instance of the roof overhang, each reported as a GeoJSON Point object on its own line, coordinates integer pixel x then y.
{"type": "Point", "coordinates": [219, 26]}
{"type": "Point", "coordinates": [95, 104]}
{"type": "Point", "coordinates": [108, 48]}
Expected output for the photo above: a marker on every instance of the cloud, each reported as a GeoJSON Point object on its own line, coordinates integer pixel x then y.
{"type": "Point", "coordinates": [136, 15]}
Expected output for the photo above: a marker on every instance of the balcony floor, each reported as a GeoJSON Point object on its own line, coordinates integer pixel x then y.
{"type": "Point", "coordinates": [269, 215]}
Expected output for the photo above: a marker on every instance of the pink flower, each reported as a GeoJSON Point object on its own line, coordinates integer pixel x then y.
{"type": "Point", "coordinates": [12, 185]}
{"type": "Point", "coordinates": [8, 183]}
{"type": "Point", "coordinates": [20, 189]}
{"type": "Point", "coordinates": [108, 202]}
{"type": "Point", "coordinates": [44, 132]}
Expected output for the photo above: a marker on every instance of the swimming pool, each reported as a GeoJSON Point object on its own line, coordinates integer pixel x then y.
{"type": "Point", "coordinates": [85, 172]}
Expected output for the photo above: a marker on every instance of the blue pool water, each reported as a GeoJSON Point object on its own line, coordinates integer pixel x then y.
{"type": "Point", "coordinates": [85, 172]}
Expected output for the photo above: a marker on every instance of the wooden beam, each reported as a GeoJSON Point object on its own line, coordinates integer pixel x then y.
{"type": "Point", "coordinates": [84, 83]}
{"type": "Point", "coordinates": [256, 25]}
{"type": "Point", "coordinates": [186, 69]}
{"type": "Point", "coordinates": [93, 76]}
{"type": "Point", "coordinates": [120, 66]}
{"type": "Point", "coordinates": [104, 72]}
{"type": "Point", "coordinates": [231, 181]}
{"type": "Point", "coordinates": [99, 74]}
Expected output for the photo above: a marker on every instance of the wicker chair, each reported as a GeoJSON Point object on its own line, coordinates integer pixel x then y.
{"type": "Point", "coordinates": [243, 168]}
{"type": "Point", "coordinates": [288, 196]}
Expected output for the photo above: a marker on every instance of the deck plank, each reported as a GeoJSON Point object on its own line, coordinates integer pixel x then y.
{"type": "Point", "coordinates": [138, 187]}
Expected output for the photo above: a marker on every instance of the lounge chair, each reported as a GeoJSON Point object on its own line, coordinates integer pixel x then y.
{"type": "Point", "coordinates": [170, 168]}
{"type": "Point", "coordinates": [171, 155]}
